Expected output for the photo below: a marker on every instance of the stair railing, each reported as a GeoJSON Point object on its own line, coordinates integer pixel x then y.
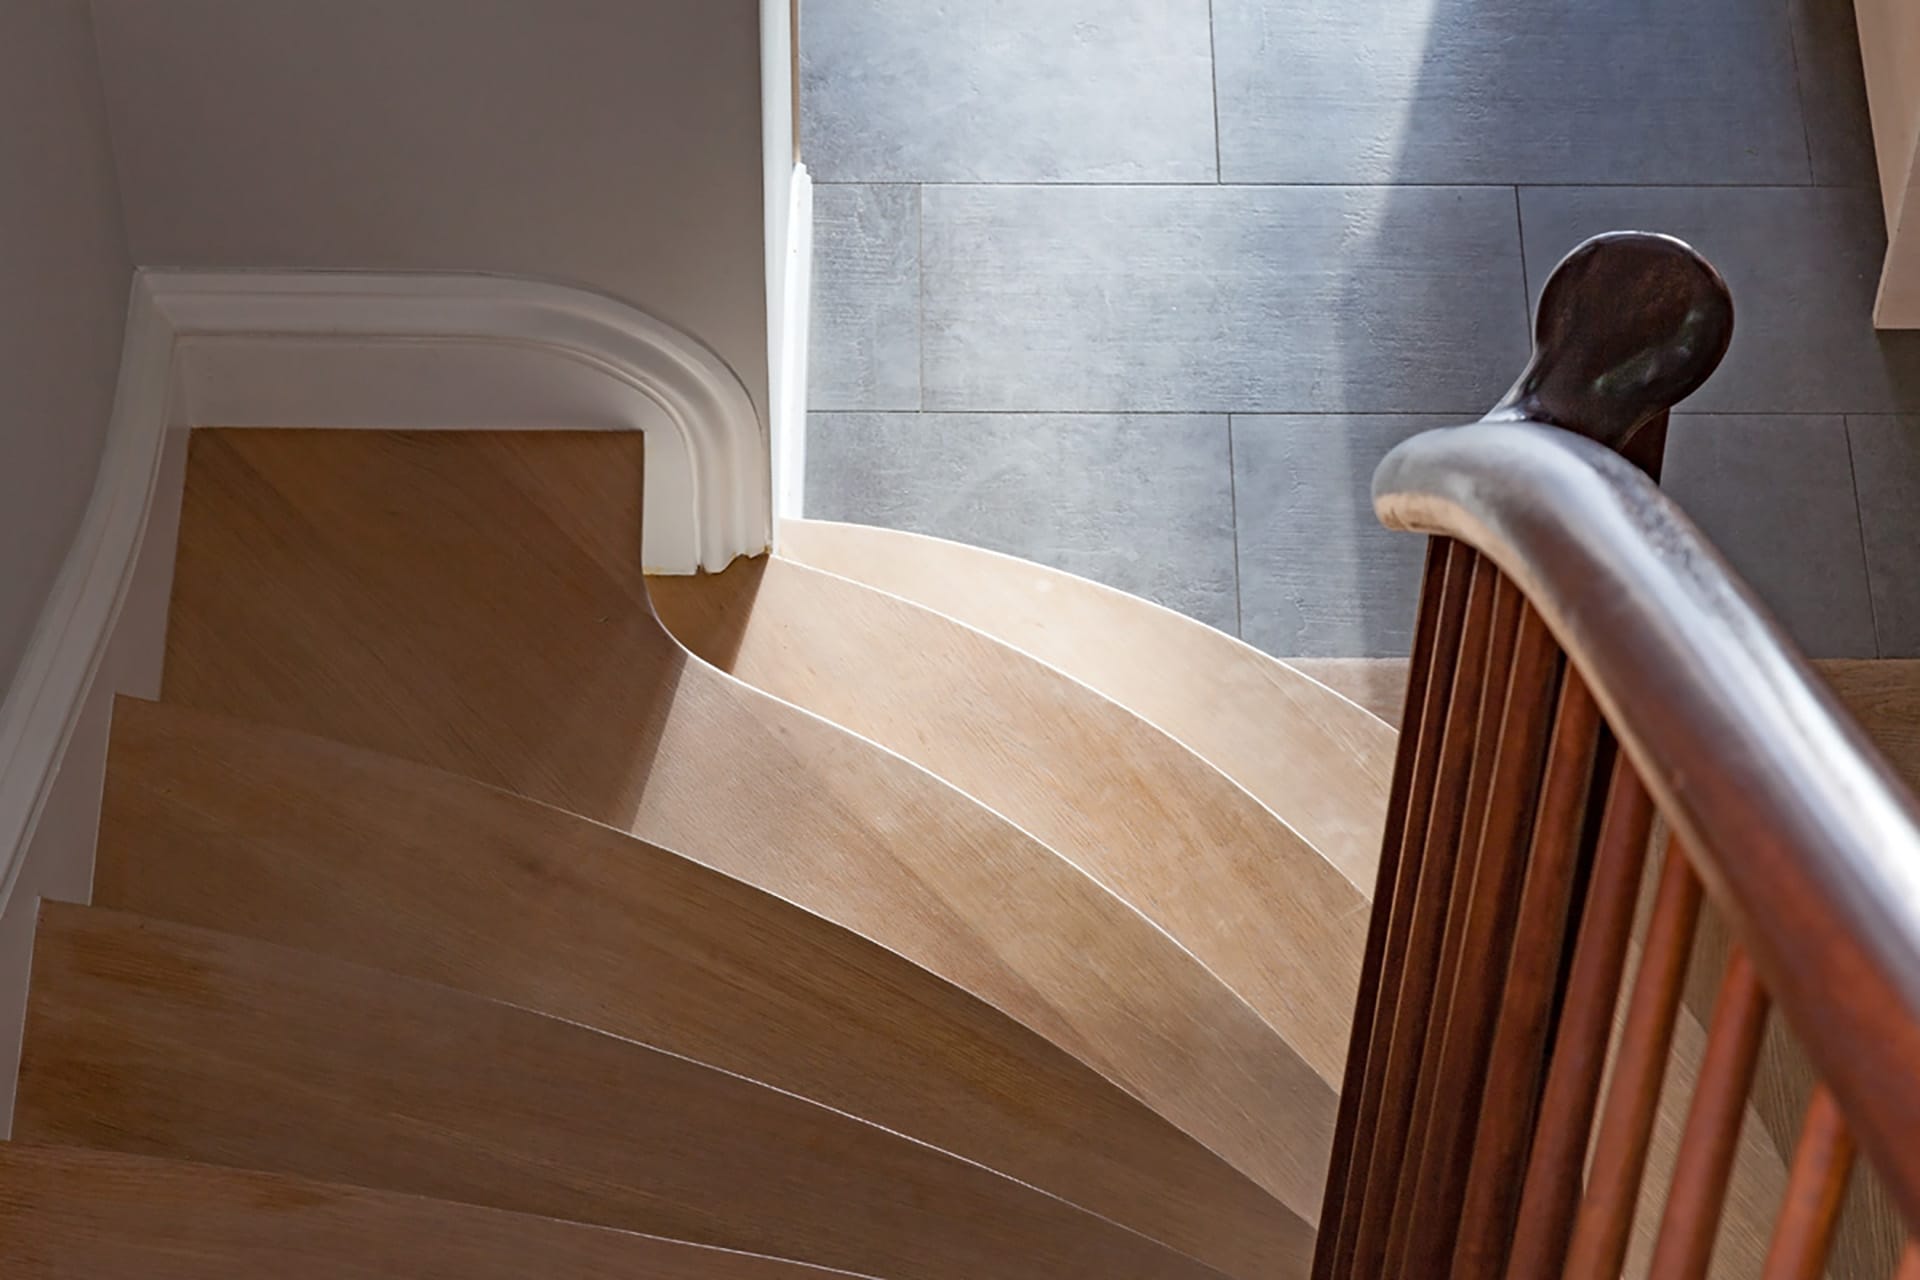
{"type": "Point", "coordinates": [1586, 666]}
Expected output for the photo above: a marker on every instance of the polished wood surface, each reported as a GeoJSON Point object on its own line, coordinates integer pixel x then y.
{"type": "Point", "coordinates": [1315, 760]}
{"type": "Point", "coordinates": [1625, 1131]}
{"type": "Point", "coordinates": [1438, 625]}
{"type": "Point", "coordinates": [158, 1039]}
{"type": "Point", "coordinates": [1816, 1188]}
{"type": "Point", "coordinates": [1518, 713]}
{"type": "Point", "coordinates": [221, 823]}
{"type": "Point", "coordinates": [1697, 1191]}
{"type": "Point", "coordinates": [1122, 800]}
{"type": "Point", "coordinates": [1628, 325]}
{"type": "Point", "coordinates": [1883, 694]}
{"type": "Point", "coordinates": [69, 1214]}
{"type": "Point", "coordinates": [1378, 684]}
{"type": "Point", "coordinates": [1805, 834]}
{"type": "Point", "coordinates": [1557, 1160]}
{"type": "Point", "coordinates": [1576, 765]}
{"type": "Point", "coordinates": [1413, 924]}
{"type": "Point", "coordinates": [474, 601]}
{"type": "Point", "coordinates": [1786, 817]}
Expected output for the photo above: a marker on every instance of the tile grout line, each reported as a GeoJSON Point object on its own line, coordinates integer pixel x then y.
{"type": "Point", "coordinates": [1213, 84]}
{"type": "Point", "coordinates": [1458, 415]}
{"type": "Point", "coordinates": [920, 295]}
{"type": "Point", "coordinates": [1860, 525]}
{"type": "Point", "coordinates": [1526, 285]}
{"type": "Point", "coordinates": [1233, 516]}
{"type": "Point", "coordinates": [1351, 185]}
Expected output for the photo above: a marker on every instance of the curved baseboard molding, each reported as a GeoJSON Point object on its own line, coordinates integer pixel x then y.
{"type": "Point", "coordinates": [383, 350]}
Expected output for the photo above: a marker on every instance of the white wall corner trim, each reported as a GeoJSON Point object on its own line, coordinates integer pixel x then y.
{"type": "Point", "coordinates": [383, 350]}
{"type": "Point", "coordinates": [790, 389]}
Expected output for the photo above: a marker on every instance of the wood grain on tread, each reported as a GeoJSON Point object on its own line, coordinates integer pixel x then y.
{"type": "Point", "coordinates": [1124, 801]}
{"type": "Point", "coordinates": [1882, 693]}
{"type": "Point", "coordinates": [1319, 761]}
{"type": "Point", "coordinates": [95, 1215]}
{"type": "Point", "coordinates": [474, 601]}
{"type": "Point", "coordinates": [221, 823]}
{"type": "Point", "coordinates": [1378, 684]}
{"type": "Point", "coordinates": [158, 1039]}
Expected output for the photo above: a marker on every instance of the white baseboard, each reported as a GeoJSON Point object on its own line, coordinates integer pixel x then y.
{"type": "Point", "coordinates": [395, 351]}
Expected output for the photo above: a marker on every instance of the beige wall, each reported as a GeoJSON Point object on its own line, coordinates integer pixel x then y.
{"type": "Point", "coordinates": [613, 144]}
{"type": "Point", "coordinates": [63, 298]}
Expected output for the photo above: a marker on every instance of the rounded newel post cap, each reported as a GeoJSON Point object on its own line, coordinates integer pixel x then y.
{"type": "Point", "coordinates": [1629, 323]}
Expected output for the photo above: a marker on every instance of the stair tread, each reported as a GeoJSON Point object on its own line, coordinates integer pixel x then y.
{"type": "Point", "coordinates": [68, 1214]}
{"type": "Point", "coordinates": [219, 823]}
{"type": "Point", "coordinates": [1098, 784]}
{"type": "Point", "coordinates": [159, 1039]}
{"type": "Point", "coordinates": [475, 601]}
{"type": "Point", "coordinates": [1301, 749]}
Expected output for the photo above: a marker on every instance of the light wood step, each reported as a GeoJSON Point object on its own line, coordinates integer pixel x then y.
{"type": "Point", "coordinates": [158, 1039]}
{"type": "Point", "coordinates": [1309, 755]}
{"type": "Point", "coordinates": [221, 823]}
{"type": "Point", "coordinates": [1138, 811]}
{"type": "Point", "coordinates": [474, 601]}
{"type": "Point", "coordinates": [68, 1214]}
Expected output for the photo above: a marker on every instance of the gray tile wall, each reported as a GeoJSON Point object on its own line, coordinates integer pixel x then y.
{"type": "Point", "coordinates": [1146, 287]}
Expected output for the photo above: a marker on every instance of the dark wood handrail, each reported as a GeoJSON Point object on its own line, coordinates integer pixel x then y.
{"type": "Point", "coordinates": [1562, 583]}
{"type": "Point", "coordinates": [1795, 820]}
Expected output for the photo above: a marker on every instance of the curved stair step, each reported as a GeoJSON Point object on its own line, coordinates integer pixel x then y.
{"type": "Point", "coordinates": [1307, 753]}
{"type": "Point", "coordinates": [1104, 788]}
{"type": "Point", "coordinates": [69, 1214]}
{"type": "Point", "coordinates": [223, 824]}
{"type": "Point", "coordinates": [159, 1039]}
{"type": "Point", "coordinates": [474, 601]}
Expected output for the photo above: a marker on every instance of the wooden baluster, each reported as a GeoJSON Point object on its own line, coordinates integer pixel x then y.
{"type": "Point", "coordinates": [1479, 940]}
{"type": "Point", "coordinates": [1517, 1058]}
{"type": "Point", "coordinates": [1712, 1135]}
{"type": "Point", "coordinates": [1620, 1150]}
{"type": "Point", "coordinates": [1424, 906]}
{"type": "Point", "coordinates": [1816, 1184]}
{"type": "Point", "coordinates": [1627, 325]}
{"type": "Point", "coordinates": [1452, 895]}
{"type": "Point", "coordinates": [1551, 1191]}
{"type": "Point", "coordinates": [1437, 652]}
{"type": "Point", "coordinates": [1429, 680]}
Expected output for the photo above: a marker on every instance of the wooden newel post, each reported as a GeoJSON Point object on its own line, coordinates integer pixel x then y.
{"type": "Point", "coordinates": [1498, 803]}
{"type": "Point", "coordinates": [1630, 323]}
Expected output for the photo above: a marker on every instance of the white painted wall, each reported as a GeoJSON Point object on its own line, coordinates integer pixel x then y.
{"type": "Point", "coordinates": [610, 144]}
{"type": "Point", "coordinates": [64, 275]}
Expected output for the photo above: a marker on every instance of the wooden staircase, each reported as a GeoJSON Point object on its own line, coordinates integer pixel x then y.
{"type": "Point", "coordinates": [472, 905]}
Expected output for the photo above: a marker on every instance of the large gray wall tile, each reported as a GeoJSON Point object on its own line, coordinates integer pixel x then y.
{"type": "Point", "coordinates": [1243, 299]}
{"type": "Point", "coordinates": [1143, 503]}
{"type": "Point", "coordinates": [1886, 467]}
{"type": "Point", "coordinates": [1320, 577]}
{"type": "Point", "coordinates": [1507, 91]}
{"type": "Point", "coordinates": [1007, 90]}
{"type": "Point", "coordinates": [1833, 92]}
{"type": "Point", "coordinates": [864, 346]}
{"type": "Point", "coordinates": [1803, 264]}
{"type": "Point", "coordinates": [1775, 494]}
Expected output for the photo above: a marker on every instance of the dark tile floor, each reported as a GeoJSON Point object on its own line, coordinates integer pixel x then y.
{"type": "Point", "coordinates": [1144, 288]}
